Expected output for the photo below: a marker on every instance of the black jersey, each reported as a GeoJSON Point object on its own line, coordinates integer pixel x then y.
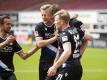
{"type": "Point", "coordinates": [74, 36]}
{"type": "Point", "coordinates": [48, 52]}
{"type": "Point", "coordinates": [6, 56]}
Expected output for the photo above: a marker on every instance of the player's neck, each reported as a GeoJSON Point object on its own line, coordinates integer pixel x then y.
{"type": "Point", "coordinates": [49, 24]}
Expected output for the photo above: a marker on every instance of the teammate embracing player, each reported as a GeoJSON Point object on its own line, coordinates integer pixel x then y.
{"type": "Point", "coordinates": [44, 39]}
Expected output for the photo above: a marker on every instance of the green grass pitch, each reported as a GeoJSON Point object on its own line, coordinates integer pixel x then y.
{"type": "Point", "coordinates": [94, 62]}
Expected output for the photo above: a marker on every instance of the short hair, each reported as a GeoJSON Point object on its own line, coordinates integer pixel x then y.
{"type": "Point", "coordinates": [2, 19]}
{"type": "Point", "coordinates": [54, 8]}
{"type": "Point", "coordinates": [64, 15]}
{"type": "Point", "coordinates": [45, 6]}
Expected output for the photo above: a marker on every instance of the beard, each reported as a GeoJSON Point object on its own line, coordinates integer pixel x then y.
{"type": "Point", "coordinates": [7, 30]}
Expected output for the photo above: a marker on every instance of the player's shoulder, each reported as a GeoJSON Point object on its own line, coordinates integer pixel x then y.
{"type": "Point", "coordinates": [64, 33]}
{"type": "Point", "coordinates": [72, 30]}
{"type": "Point", "coordinates": [39, 25]}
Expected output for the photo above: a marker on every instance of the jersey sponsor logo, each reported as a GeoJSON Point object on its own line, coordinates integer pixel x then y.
{"type": "Point", "coordinates": [6, 49]}
{"type": "Point", "coordinates": [48, 35]}
{"type": "Point", "coordinates": [64, 38]}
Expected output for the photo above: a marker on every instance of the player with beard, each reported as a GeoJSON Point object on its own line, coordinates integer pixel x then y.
{"type": "Point", "coordinates": [9, 46]}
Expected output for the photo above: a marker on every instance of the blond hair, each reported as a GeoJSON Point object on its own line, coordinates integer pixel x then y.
{"type": "Point", "coordinates": [45, 6]}
{"type": "Point", "coordinates": [64, 15]}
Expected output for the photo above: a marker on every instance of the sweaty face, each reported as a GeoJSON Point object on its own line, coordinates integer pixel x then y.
{"type": "Point", "coordinates": [46, 16]}
{"type": "Point", "coordinates": [57, 22]}
{"type": "Point", "coordinates": [7, 25]}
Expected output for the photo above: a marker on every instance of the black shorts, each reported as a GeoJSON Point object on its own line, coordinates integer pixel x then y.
{"type": "Point", "coordinates": [50, 78]}
{"type": "Point", "coordinates": [43, 68]}
{"type": "Point", "coordinates": [70, 72]}
{"type": "Point", "coordinates": [8, 76]}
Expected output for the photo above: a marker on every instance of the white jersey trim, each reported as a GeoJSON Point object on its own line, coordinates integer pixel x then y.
{"type": "Point", "coordinates": [52, 48]}
{"type": "Point", "coordinates": [4, 66]}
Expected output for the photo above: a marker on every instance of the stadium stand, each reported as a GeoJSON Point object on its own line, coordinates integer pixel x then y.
{"type": "Point", "coordinates": [13, 7]}
{"type": "Point", "coordinates": [18, 5]}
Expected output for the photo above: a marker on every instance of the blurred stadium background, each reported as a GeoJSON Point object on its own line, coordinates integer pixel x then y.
{"type": "Point", "coordinates": [93, 13]}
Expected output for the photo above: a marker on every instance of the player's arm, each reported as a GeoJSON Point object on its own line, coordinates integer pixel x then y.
{"type": "Point", "coordinates": [8, 40]}
{"type": "Point", "coordinates": [63, 58]}
{"type": "Point", "coordinates": [83, 47]}
{"type": "Point", "coordinates": [25, 55]}
{"type": "Point", "coordinates": [57, 56]}
{"type": "Point", "coordinates": [39, 33]}
{"type": "Point", "coordinates": [42, 43]}
{"type": "Point", "coordinates": [86, 38]}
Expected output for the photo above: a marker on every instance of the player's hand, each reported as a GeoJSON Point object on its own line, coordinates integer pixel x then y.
{"type": "Point", "coordinates": [9, 39]}
{"type": "Point", "coordinates": [55, 34]}
{"type": "Point", "coordinates": [52, 71]}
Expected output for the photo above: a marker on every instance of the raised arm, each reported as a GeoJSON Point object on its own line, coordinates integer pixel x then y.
{"type": "Point", "coordinates": [25, 55]}
{"type": "Point", "coordinates": [86, 38]}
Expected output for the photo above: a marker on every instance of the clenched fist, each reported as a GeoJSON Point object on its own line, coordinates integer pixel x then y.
{"type": "Point", "coordinates": [9, 39]}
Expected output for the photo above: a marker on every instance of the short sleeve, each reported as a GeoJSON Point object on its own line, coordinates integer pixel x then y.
{"type": "Point", "coordinates": [38, 32]}
{"type": "Point", "coordinates": [16, 46]}
{"type": "Point", "coordinates": [64, 37]}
